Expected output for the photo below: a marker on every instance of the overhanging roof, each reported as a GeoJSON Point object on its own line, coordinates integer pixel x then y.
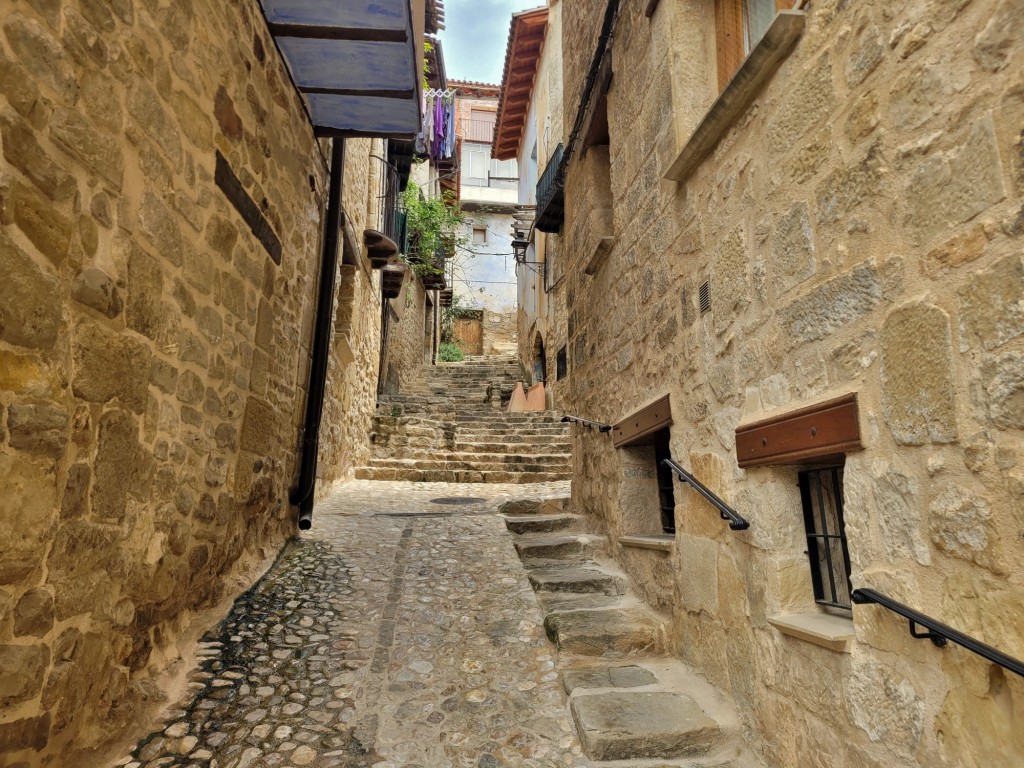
{"type": "Point", "coordinates": [358, 63]}
{"type": "Point", "coordinates": [525, 41]}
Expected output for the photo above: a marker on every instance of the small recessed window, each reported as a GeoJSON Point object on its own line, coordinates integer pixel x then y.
{"type": "Point", "coordinates": [666, 490]}
{"type": "Point", "coordinates": [822, 493]}
{"type": "Point", "coordinates": [562, 364]}
{"type": "Point", "coordinates": [479, 236]}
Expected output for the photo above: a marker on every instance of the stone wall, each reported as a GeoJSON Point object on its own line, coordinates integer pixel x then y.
{"type": "Point", "coordinates": [859, 227]}
{"type": "Point", "coordinates": [153, 356]}
{"type": "Point", "coordinates": [407, 350]}
{"type": "Point", "coordinates": [500, 336]}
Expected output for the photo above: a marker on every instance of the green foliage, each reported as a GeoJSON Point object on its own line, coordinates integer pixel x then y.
{"type": "Point", "coordinates": [432, 222]}
{"type": "Point", "coordinates": [450, 314]}
{"type": "Point", "coordinates": [449, 352]}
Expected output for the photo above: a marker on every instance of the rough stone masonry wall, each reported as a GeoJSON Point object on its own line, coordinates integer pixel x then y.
{"type": "Point", "coordinates": [152, 355]}
{"type": "Point", "coordinates": [860, 226]}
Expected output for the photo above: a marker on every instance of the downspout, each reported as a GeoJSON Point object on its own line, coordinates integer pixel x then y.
{"type": "Point", "coordinates": [302, 494]}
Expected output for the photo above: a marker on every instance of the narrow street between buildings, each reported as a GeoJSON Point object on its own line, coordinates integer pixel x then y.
{"type": "Point", "coordinates": [400, 631]}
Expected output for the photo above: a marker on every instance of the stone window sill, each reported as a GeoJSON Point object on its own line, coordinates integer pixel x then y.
{"type": "Point", "coordinates": [602, 246]}
{"type": "Point", "coordinates": [755, 71]}
{"type": "Point", "coordinates": [824, 629]}
{"type": "Point", "coordinates": [661, 542]}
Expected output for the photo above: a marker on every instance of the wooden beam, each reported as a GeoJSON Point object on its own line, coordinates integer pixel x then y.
{"type": "Point", "coordinates": [819, 432]}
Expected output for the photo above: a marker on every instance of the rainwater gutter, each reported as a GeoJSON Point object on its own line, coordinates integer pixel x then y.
{"type": "Point", "coordinates": [302, 495]}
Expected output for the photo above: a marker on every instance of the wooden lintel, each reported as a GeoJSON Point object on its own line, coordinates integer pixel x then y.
{"type": "Point", "coordinates": [821, 431]}
{"type": "Point", "coordinates": [634, 429]}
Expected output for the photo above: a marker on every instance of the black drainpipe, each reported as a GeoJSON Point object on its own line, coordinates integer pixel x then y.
{"type": "Point", "coordinates": [302, 494]}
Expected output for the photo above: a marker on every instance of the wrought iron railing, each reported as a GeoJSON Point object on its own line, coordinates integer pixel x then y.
{"type": "Point", "coordinates": [736, 521]}
{"type": "Point", "coordinates": [551, 194]}
{"type": "Point", "coordinates": [391, 216]}
{"type": "Point", "coordinates": [589, 424]}
{"type": "Point", "coordinates": [940, 634]}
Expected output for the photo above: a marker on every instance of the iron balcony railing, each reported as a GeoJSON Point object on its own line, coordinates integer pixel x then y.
{"type": "Point", "coordinates": [589, 424]}
{"type": "Point", "coordinates": [736, 522]}
{"type": "Point", "coordinates": [551, 194]}
{"type": "Point", "coordinates": [391, 216]}
{"type": "Point", "coordinates": [938, 633]}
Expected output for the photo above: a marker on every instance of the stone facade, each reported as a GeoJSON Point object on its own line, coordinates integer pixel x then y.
{"type": "Point", "coordinates": [153, 356]}
{"type": "Point", "coordinates": [859, 230]}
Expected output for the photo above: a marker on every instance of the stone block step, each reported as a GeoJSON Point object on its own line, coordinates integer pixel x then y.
{"type": "Point", "coordinates": [628, 676]}
{"type": "Point", "coordinates": [619, 631]}
{"type": "Point", "coordinates": [576, 601]}
{"type": "Point", "coordinates": [424, 456]}
{"type": "Point", "coordinates": [458, 476]}
{"type": "Point", "coordinates": [531, 506]}
{"type": "Point", "coordinates": [557, 546]}
{"type": "Point", "coordinates": [540, 523]}
{"type": "Point", "coordinates": [469, 465]}
{"type": "Point", "coordinates": [631, 725]}
{"type": "Point", "coordinates": [549, 445]}
{"type": "Point", "coordinates": [580, 579]}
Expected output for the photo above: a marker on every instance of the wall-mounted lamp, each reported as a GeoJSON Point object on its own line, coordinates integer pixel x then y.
{"type": "Point", "coordinates": [519, 247]}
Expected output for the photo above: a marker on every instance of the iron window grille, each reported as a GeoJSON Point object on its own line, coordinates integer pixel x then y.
{"type": "Point", "coordinates": [821, 491]}
{"type": "Point", "coordinates": [666, 489]}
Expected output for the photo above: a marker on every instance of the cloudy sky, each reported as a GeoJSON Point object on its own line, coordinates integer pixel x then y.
{"type": "Point", "coordinates": [475, 35]}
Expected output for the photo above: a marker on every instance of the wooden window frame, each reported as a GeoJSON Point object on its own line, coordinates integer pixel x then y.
{"type": "Point", "coordinates": [730, 37]}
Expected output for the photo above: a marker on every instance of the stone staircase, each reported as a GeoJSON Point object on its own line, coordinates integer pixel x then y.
{"type": "Point", "coordinates": [450, 426]}
{"type": "Point", "coordinates": [630, 701]}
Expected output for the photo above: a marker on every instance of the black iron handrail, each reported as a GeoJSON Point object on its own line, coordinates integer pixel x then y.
{"type": "Point", "coordinates": [589, 424]}
{"type": "Point", "coordinates": [938, 632]}
{"type": "Point", "coordinates": [736, 521]}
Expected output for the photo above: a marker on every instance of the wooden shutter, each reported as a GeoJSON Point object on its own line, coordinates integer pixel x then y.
{"type": "Point", "coordinates": [729, 39]}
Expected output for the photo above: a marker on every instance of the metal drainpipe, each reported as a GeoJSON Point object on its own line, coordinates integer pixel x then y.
{"type": "Point", "coordinates": [302, 494]}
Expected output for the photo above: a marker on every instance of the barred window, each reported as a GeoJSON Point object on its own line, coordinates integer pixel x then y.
{"type": "Point", "coordinates": [821, 491]}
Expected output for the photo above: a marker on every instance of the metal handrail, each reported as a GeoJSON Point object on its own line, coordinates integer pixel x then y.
{"type": "Point", "coordinates": [589, 424]}
{"type": "Point", "coordinates": [736, 521]}
{"type": "Point", "coordinates": [938, 633]}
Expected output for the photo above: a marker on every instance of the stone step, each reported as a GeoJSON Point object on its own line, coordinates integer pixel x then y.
{"type": "Point", "coordinates": [475, 466]}
{"type": "Point", "coordinates": [551, 446]}
{"type": "Point", "coordinates": [557, 546]}
{"type": "Point", "coordinates": [630, 725]}
{"type": "Point", "coordinates": [458, 476]}
{"type": "Point", "coordinates": [432, 455]}
{"type": "Point", "coordinates": [550, 505]}
{"type": "Point", "coordinates": [617, 631]}
{"type": "Point", "coordinates": [576, 601]}
{"type": "Point", "coordinates": [578, 579]}
{"type": "Point", "coordinates": [540, 523]}
{"type": "Point", "coordinates": [620, 676]}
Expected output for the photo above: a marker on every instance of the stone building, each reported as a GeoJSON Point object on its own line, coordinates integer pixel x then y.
{"type": "Point", "coordinates": [483, 271]}
{"type": "Point", "coordinates": [165, 239]}
{"type": "Point", "coordinates": [791, 245]}
{"type": "Point", "coordinates": [529, 129]}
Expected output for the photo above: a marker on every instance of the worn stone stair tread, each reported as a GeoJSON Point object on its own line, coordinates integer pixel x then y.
{"type": "Point", "coordinates": [617, 676]}
{"type": "Point", "coordinates": [539, 523]}
{"type": "Point", "coordinates": [576, 579]}
{"type": "Point", "coordinates": [552, 602]}
{"type": "Point", "coordinates": [556, 545]}
{"type": "Point", "coordinates": [535, 506]}
{"type": "Point", "coordinates": [622, 725]}
{"type": "Point", "coordinates": [597, 632]}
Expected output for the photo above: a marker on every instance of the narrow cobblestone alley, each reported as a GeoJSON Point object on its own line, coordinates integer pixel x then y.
{"type": "Point", "coordinates": [397, 632]}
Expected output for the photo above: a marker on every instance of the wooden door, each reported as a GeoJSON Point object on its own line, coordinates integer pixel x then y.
{"type": "Point", "coordinates": [469, 335]}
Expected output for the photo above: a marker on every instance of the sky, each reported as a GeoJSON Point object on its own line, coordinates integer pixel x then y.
{"type": "Point", "coordinates": [475, 35]}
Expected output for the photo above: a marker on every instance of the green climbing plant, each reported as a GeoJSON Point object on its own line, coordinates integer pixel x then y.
{"type": "Point", "coordinates": [432, 223]}
{"type": "Point", "coordinates": [449, 352]}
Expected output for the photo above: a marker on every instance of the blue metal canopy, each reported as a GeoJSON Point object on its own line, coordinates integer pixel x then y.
{"type": "Point", "coordinates": [356, 62]}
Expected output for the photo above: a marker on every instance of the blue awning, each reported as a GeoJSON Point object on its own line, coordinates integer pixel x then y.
{"type": "Point", "coordinates": [358, 63]}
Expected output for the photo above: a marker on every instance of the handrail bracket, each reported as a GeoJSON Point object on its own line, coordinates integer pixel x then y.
{"type": "Point", "coordinates": [935, 637]}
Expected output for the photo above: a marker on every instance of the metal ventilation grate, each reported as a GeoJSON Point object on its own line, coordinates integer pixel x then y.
{"type": "Point", "coordinates": [705, 297]}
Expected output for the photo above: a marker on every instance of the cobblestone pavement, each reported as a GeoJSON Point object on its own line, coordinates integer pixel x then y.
{"type": "Point", "coordinates": [397, 633]}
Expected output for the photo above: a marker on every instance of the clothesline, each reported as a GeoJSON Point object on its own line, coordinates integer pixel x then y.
{"type": "Point", "coordinates": [447, 93]}
{"type": "Point", "coordinates": [436, 138]}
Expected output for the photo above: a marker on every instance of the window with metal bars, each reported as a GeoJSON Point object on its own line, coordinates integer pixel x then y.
{"type": "Point", "coordinates": [821, 491]}
{"type": "Point", "coordinates": [666, 490]}
{"type": "Point", "coordinates": [739, 26]}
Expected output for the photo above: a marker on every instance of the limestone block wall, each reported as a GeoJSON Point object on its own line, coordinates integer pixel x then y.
{"type": "Point", "coordinates": [153, 356]}
{"type": "Point", "coordinates": [410, 323]}
{"type": "Point", "coordinates": [859, 228]}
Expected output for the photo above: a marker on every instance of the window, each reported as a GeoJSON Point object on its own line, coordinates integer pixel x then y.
{"type": "Point", "coordinates": [739, 25]}
{"type": "Point", "coordinates": [479, 236]}
{"type": "Point", "coordinates": [561, 365]}
{"type": "Point", "coordinates": [821, 491]}
{"type": "Point", "coordinates": [504, 169]}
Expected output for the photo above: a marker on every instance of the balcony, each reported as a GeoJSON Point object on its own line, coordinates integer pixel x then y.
{"type": "Point", "coordinates": [551, 194]}
{"type": "Point", "coordinates": [481, 131]}
{"type": "Point", "coordinates": [388, 237]}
